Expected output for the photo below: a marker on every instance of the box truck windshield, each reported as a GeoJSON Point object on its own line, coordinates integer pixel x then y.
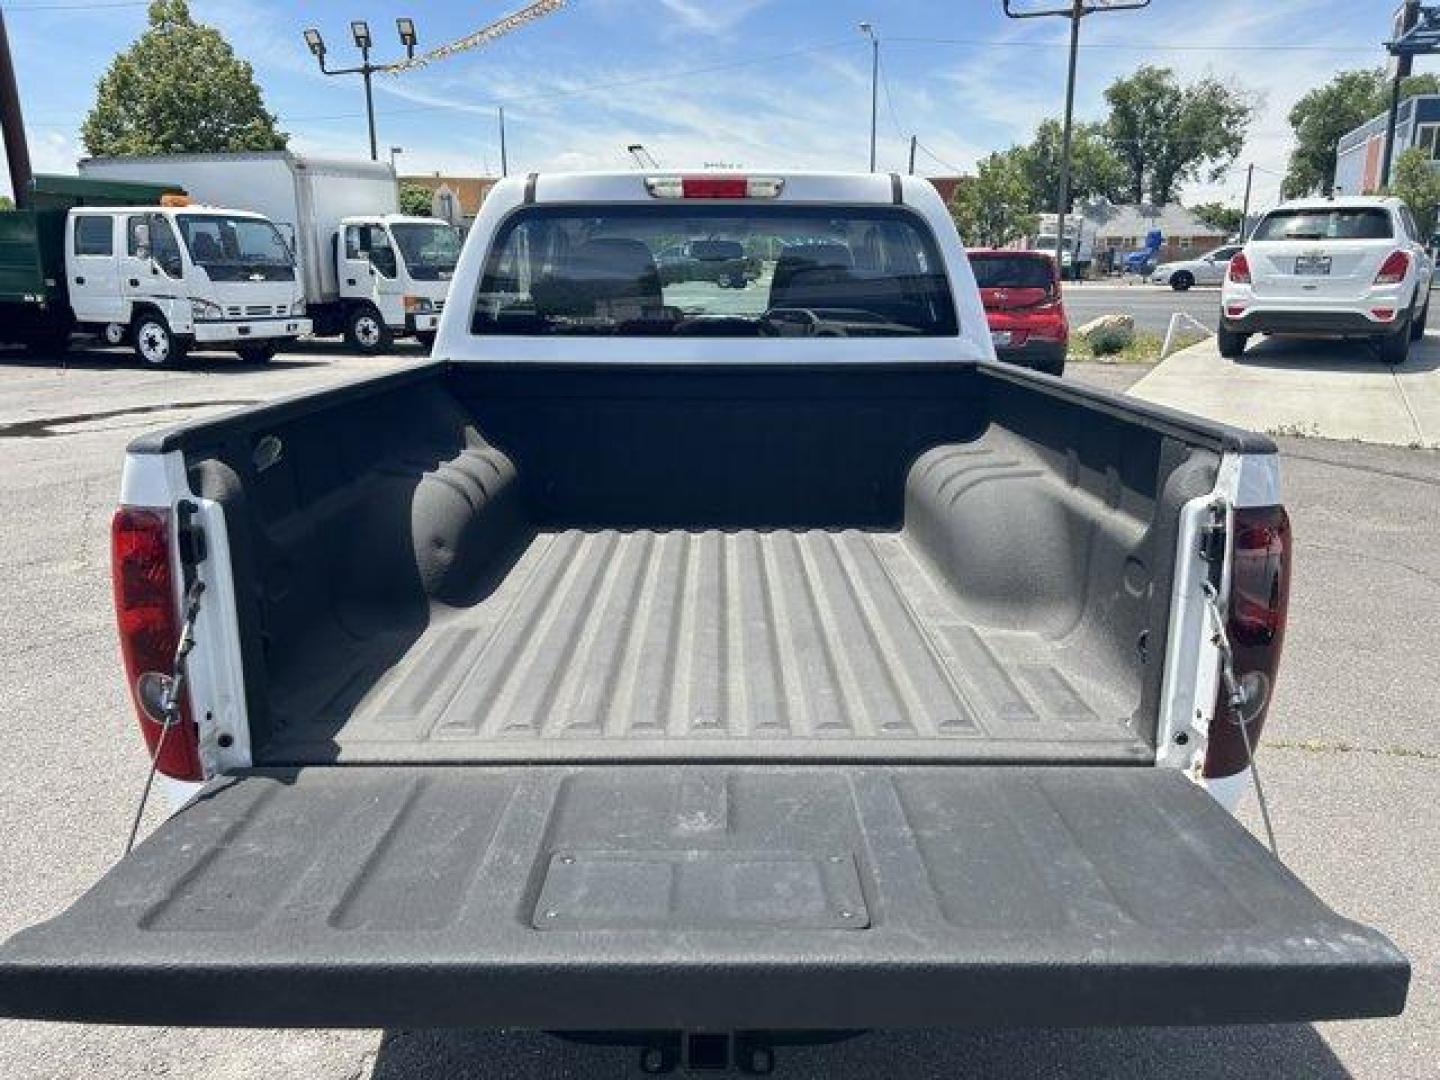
{"type": "Point", "coordinates": [429, 251]}
{"type": "Point", "coordinates": [233, 248]}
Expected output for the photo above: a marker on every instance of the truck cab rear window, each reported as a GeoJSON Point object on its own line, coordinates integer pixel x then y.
{"type": "Point", "coordinates": [715, 271]}
{"type": "Point", "coordinates": [1328, 223]}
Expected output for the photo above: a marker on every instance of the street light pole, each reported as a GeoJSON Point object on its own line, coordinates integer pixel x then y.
{"type": "Point", "coordinates": [869, 31]}
{"type": "Point", "coordinates": [504, 161]}
{"type": "Point", "coordinates": [360, 31]}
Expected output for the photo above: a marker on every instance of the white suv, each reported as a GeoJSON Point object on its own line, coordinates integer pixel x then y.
{"type": "Point", "coordinates": [1330, 267]}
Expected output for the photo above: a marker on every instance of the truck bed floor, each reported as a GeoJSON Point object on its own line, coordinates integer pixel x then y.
{"type": "Point", "coordinates": [719, 645]}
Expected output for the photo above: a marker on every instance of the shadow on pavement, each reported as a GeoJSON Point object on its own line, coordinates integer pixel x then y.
{"type": "Point", "coordinates": [1173, 1053]}
{"type": "Point", "coordinates": [1359, 357]}
{"type": "Point", "coordinates": [305, 354]}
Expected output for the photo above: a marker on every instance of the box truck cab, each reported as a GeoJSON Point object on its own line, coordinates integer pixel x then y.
{"type": "Point", "coordinates": [393, 273]}
{"type": "Point", "coordinates": [367, 271]}
{"type": "Point", "coordinates": [166, 278]}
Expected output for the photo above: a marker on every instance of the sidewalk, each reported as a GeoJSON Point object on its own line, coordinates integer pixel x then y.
{"type": "Point", "coordinates": [1323, 389]}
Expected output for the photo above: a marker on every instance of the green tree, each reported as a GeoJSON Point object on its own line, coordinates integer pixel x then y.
{"type": "Point", "coordinates": [1167, 134]}
{"type": "Point", "coordinates": [1226, 219]}
{"type": "Point", "coordinates": [1417, 182]}
{"type": "Point", "coordinates": [1322, 116]}
{"type": "Point", "coordinates": [993, 208]}
{"type": "Point", "coordinates": [6, 203]}
{"type": "Point", "coordinates": [1095, 170]}
{"type": "Point", "coordinates": [415, 200]}
{"type": "Point", "coordinates": [179, 88]}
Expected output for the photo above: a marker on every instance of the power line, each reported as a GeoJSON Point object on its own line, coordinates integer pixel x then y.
{"type": "Point", "coordinates": [1139, 46]}
{"type": "Point", "coordinates": [955, 169]}
{"type": "Point", "coordinates": [78, 7]}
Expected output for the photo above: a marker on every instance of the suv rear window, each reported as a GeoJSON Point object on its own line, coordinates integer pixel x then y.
{"type": "Point", "coordinates": [1012, 271]}
{"type": "Point", "coordinates": [1338, 223]}
{"type": "Point", "coordinates": [715, 271]}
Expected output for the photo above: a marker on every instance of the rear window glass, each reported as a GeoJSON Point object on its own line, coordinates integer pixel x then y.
{"type": "Point", "coordinates": [715, 271]}
{"type": "Point", "coordinates": [1339, 223]}
{"type": "Point", "coordinates": [1011, 271]}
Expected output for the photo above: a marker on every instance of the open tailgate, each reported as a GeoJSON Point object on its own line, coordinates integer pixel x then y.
{"type": "Point", "coordinates": [715, 897]}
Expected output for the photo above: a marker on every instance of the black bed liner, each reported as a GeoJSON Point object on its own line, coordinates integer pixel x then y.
{"type": "Point", "coordinates": [716, 897]}
{"type": "Point", "coordinates": [740, 645]}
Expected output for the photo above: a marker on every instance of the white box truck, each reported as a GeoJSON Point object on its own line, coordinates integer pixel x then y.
{"type": "Point", "coordinates": [369, 272]}
{"type": "Point", "coordinates": [1079, 251]}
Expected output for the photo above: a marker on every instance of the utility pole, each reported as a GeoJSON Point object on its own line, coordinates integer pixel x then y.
{"type": "Point", "coordinates": [504, 161]}
{"type": "Point", "coordinates": [1406, 20]}
{"type": "Point", "coordinates": [1074, 10]}
{"type": "Point", "coordinates": [1245, 213]}
{"type": "Point", "coordinates": [1077, 12]}
{"type": "Point", "coordinates": [869, 31]}
{"type": "Point", "coordinates": [12, 123]}
{"type": "Point", "coordinates": [914, 142]}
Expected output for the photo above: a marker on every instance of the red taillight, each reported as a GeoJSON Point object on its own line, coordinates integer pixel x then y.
{"type": "Point", "coordinates": [1240, 269]}
{"type": "Point", "coordinates": [1259, 603]}
{"type": "Point", "coordinates": [1393, 269]}
{"type": "Point", "coordinates": [145, 609]}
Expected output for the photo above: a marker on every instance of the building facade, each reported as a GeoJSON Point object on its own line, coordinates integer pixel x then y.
{"type": "Point", "coordinates": [1360, 157]}
{"type": "Point", "coordinates": [455, 199]}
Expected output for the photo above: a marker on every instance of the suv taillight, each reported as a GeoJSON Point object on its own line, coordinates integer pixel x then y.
{"type": "Point", "coordinates": [1393, 269]}
{"type": "Point", "coordinates": [145, 609]}
{"type": "Point", "coordinates": [1240, 269]}
{"type": "Point", "coordinates": [1255, 623]}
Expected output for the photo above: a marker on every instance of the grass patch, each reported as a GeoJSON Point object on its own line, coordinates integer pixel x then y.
{"type": "Point", "coordinates": [1145, 349]}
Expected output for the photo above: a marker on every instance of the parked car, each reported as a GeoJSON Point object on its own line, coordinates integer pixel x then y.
{"type": "Point", "coordinates": [631, 670]}
{"type": "Point", "coordinates": [1208, 269]}
{"type": "Point", "coordinates": [1352, 267]}
{"type": "Point", "coordinates": [720, 262]}
{"type": "Point", "coordinates": [1023, 307]}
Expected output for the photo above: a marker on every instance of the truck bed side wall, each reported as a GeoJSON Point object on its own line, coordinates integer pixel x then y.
{"type": "Point", "coordinates": [1040, 515]}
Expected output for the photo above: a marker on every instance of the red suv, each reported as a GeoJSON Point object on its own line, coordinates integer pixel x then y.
{"type": "Point", "coordinates": [1021, 292]}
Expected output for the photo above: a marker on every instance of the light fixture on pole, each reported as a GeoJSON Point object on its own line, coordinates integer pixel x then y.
{"type": "Point", "coordinates": [1074, 10]}
{"type": "Point", "coordinates": [869, 31]}
{"type": "Point", "coordinates": [360, 33]}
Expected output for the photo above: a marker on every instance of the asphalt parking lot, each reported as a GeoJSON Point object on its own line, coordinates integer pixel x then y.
{"type": "Point", "coordinates": [1350, 762]}
{"type": "Point", "coordinates": [1151, 305]}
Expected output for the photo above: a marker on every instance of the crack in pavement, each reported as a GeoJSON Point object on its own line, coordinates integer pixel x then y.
{"type": "Point", "coordinates": [1330, 548]}
{"type": "Point", "coordinates": [1322, 746]}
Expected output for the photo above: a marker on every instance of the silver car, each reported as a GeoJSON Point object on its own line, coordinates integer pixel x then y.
{"type": "Point", "coordinates": [1209, 269]}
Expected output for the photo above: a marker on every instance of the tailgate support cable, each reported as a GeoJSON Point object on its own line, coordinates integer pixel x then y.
{"type": "Point", "coordinates": [1236, 699]}
{"type": "Point", "coordinates": [170, 702]}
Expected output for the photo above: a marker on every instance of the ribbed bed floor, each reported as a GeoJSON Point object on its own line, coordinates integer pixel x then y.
{"type": "Point", "coordinates": [719, 645]}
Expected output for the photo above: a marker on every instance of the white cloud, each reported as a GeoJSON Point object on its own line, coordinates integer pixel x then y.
{"type": "Point", "coordinates": [712, 16]}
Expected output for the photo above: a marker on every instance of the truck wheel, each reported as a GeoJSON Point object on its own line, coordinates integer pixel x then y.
{"type": "Point", "coordinates": [115, 333]}
{"type": "Point", "coordinates": [1231, 343]}
{"type": "Point", "coordinates": [155, 344]}
{"type": "Point", "coordinates": [1182, 281]}
{"type": "Point", "coordinates": [426, 339]}
{"type": "Point", "coordinates": [366, 331]}
{"type": "Point", "coordinates": [1395, 346]}
{"type": "Point", "coordinates": [257, 352]}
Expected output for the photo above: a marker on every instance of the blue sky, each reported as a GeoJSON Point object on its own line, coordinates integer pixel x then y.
{"type": "Point", "coordinates": [781, 83]}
